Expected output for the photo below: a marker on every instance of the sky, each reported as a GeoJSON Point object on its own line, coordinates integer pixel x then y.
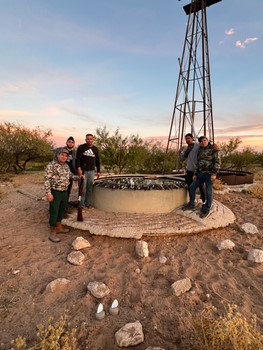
{"type": "Point", "coordinates": [73, 66]}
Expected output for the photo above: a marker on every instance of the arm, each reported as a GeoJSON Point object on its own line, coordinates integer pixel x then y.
{"type": "Point", "coordinates": [79, 161]}
{"type": "Point", "coordinates": [97, 159]}
{"type": "Point", "coordinates": [47, 183]}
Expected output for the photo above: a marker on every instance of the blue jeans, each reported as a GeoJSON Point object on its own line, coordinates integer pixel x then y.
{"type": "Point", "coordinates": [189, 180]}
{"type": "Point", "coordinates": [202, 178]}
{"type": "Point", "coordinates": [86, 197]}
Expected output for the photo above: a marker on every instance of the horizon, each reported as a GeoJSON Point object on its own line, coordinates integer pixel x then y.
{"type": "Point", "coordinates": [73, 69]}
{"type": "Point", "coordinates": [247, 142]}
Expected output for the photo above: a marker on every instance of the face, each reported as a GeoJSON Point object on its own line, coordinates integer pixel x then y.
{"type": "Point", "coordinates": [70, 144]}
{"type": "Point", "coordinates": [89, 140]}
{"type": "Point", "coordinates": [62, 158]}
{"type": "Point", "coordinates": [189, 140]}
{"type": "Point", "coordinates": [203, 143]}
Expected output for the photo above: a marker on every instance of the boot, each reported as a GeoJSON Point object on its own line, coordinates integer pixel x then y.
{"type": "Point", "coordinates": [61, 229]}
{"type": "Point", "coordinates": [53, 235]}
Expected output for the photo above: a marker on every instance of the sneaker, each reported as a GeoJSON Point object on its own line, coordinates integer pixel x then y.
{"type": "Point", "coordinates": [204, 215]}
{"type": "Point", "coordinates": [188, 207]}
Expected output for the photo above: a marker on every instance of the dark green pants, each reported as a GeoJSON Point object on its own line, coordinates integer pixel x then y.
{"type": "Point", "coordinates": [57, 207]}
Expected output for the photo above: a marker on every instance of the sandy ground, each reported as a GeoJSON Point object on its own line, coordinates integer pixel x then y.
{"type": "Point", "coordinates": [29, 261]}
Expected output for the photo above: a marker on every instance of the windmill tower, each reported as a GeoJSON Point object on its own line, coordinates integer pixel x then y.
{"type": "Point", "coordinates": [193, 100]}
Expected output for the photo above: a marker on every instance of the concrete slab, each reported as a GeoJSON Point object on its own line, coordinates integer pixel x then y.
{"type": "Point", "coordinates": [137, 225]}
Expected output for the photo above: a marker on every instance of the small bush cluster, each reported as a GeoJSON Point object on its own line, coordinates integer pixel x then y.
{"type": "Point", "coordinates": [57, 336]}
{"type": "Point", "coordinates": [218, 185]}
{"type": "Point", "coordinates": [229, 332]}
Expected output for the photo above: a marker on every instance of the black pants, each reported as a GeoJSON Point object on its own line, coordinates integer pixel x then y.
{"type": "Point", "coordinates": [189, 180]}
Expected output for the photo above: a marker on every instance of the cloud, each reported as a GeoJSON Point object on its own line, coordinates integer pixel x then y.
{"type": "Point", "coordinates": [243, 44]}
{"type": "Point", "coordinates": [230, 31]}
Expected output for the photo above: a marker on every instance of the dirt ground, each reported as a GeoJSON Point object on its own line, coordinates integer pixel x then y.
{"type": "Point", "coordinates": [29, 261]}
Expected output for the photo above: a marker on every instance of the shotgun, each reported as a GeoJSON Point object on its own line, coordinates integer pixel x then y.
{"type": "Point", "coordinates": [80, 216]}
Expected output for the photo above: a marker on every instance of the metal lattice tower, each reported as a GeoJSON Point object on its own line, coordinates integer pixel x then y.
{"type": "Point", "coordinates": [193, 100]}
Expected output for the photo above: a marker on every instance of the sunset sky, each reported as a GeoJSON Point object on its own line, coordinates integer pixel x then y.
{"type": "Point", "coordinates": [74, 66]}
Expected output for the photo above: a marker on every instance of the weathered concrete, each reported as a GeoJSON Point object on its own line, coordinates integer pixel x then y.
{"type": "Point", "coordinates": [129, 201]}
{"type": "Point", "coordinates": [129, 225]}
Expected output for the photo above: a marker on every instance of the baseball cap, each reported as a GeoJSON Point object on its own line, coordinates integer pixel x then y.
{"type": "Point", "coordinates": [63, 150]}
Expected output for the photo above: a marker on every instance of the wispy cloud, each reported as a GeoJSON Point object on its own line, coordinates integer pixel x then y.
{"type": "Point", "coordinates": [230, 31]}
{"type": "Point", "coordinates": [243, 44]}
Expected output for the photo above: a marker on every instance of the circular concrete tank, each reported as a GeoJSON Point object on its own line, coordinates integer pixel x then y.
{"type": "Point", "coordinates": [139, 194]}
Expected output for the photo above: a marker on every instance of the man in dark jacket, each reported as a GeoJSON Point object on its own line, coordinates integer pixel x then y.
{"type": "Point", "coordinates": [87, 160]}
{"type": "Point", "coordinates": [208, 164]}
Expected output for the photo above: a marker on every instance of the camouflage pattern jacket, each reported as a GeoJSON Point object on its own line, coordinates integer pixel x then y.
{"type": "Point", "coordinates": [208, 160]}
{"type": "Point", "coordinates": [57, 176]}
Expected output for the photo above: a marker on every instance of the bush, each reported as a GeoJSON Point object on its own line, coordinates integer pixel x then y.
{"type": "Point", "coordinates": [229, 332]}
{"type": "Point", "coordinates": [57, 336]}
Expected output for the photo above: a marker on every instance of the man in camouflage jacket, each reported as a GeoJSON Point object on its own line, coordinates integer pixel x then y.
{"type": "Point", "coordinates": [57, 178]}
{"type": "Point", "coordinates": [207, 166]}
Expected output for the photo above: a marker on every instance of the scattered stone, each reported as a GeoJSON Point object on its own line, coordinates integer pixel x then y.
{"type": "Point", "coordinates": [225, 244]}
{"type": "Point", "coordinates": [138, 271]}
{"type": "Point", "coordinates": [249, 228]}
{"type": "Point", "coordinates": [130, 335]}
{"type": "Point", "coordinates": [15, 272]}
{"type": "Point", "coordinates": [154, 348]}
{"type": "Point", "coordinates": [142, 249]}
{"type": "Point", "coordinates": [162, 259]}
{"type": "Point", "coordinates": [80, 243]}
{"type": "Point", "coordinates": [98, 289]}
{"type": "Point", "coordinates": [56, 284]}
{"type": "Point", "coordinates": [255, 255]}
{"type": "Point", "coordinates": [181, 286]}
{"type": "Point", "coordinates": [76, 258]}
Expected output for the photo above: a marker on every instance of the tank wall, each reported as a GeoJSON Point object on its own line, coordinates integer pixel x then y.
{"type": "Point", "coordinates": [138, 201]}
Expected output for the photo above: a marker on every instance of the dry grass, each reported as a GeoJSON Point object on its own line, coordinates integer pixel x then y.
{"type": "Point", "coordinates": [218, 185]}
{"type": "Point", "coordinates": [55, 336]}
{"type": "Point", "coordinates": [229, 332]}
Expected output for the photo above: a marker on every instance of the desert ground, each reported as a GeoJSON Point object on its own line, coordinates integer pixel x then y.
{"type": "Point", "coordinates": [142, 286]}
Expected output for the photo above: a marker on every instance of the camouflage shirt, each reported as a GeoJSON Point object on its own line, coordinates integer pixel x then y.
{"type": "Point", "coordinates": [208, 160]}
{"type": "Point", "coordinates": [57, 176]}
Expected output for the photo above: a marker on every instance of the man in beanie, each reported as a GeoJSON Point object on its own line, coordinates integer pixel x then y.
{"type": "Point", "coordinates": [57, 178]}
{"type": "Point", "coordinates": [71, 161]}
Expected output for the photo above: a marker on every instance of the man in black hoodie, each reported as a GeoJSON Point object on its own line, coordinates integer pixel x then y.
{"type": "Point", "coordinates": [87, 160]}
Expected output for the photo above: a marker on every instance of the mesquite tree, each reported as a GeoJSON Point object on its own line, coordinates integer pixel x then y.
{"type": "Point", "coordinates": [20, 145]}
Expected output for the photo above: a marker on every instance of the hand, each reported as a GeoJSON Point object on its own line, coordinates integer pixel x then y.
{"type": "Point", "coordinates": [194, 178]}
{"type": "Point", "coordinates": [50, 197]}
{"type": "Point", "coordinates": [213, 177]}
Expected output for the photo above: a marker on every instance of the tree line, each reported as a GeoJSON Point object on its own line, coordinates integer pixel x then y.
{"type": "Point", "coordinates": [21, 146]}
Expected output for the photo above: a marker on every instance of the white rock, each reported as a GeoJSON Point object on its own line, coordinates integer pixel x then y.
{"type": "Point", "coordinates": [80, 243]}
{"type": "Point", "coordinates": [181, 286]}
{"type": "Point", "coordinates": [76, 258]}
{"type": "Point", "coordinates": [98, 289]}
{"type": "Point", "coordinates": [225, 244]}
{"type": "Point", "coordinates": [130, 335]}
{"type": "Point", "coordinates": [142, 249]}
{"type": "Point", "coordinates": [100, 308]}
{"type": "Point", "coordinates": [56, 284]}
{"type": "Point", "coordinates": [249, 228]}
{"type": "Point", "coordinates": [162, 259]}
{"type": "Point", "coordinates": [255, 255]}
{"type": "Point", "coordinates": [115, 303]}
